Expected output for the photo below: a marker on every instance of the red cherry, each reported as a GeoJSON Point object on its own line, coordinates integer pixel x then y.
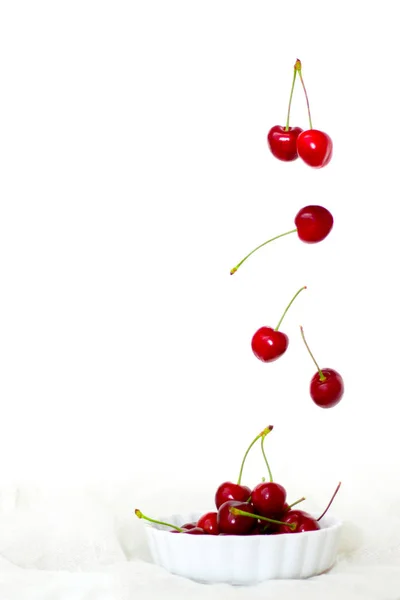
{"type": "Point", "coordinates": [189, 525]}
{"type": "Point", "coordinates": [326, 387]}
{"type": "Point", "coordinates": [315, 148]}
{"type": "Point", "coordinates": [282, 142]}
{"type": "Point", "coordinates": [273, 527]}
{"type": "Point", "coordinates": [313, 223]}
{"type": "Point", "coordinates": [302, 520]}
{"type": "Point", "coordinates": [268, 499]}
{"type": "Point", "coordinates": [270, 523]}
{"type": "Point", "coordinates": [231, 524]}
{"type": "Point", "coordinates": [261, 528]}
{"type": "Point", "coordinates": [236, 491]}
{"type": "Point", "coordinates": [195, 531]}
{"type": "Point", "coordinates": [269, 344]}
{"type": "Point", "coordinates": [231, 491]}
{"type": "Point", "coordinates": [181, 530]}
{"type": "Point", "coordinates": [208, 522]}
{"type": "Point", "coordinates": [326, 392]}
{"type": "Point", "coordinates": [191, 530]}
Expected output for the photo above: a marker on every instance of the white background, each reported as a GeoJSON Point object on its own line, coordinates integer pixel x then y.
{"type": "Point", "coordinates": [134, 173]}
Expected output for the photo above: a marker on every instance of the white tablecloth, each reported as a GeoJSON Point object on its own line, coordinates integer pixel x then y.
{"type": "Point", "coordinates": [84, 548]}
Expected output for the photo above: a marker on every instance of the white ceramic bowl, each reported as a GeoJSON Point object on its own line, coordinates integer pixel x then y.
{"type": "Point", "coordinates": [243, 560]}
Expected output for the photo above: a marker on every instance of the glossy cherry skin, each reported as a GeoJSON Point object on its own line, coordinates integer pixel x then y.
{"type": "Point", "coordinates": [313, 223]}
{"type": "Point", "coordinates": [231, 491]}
{"type": "Point", "coordinates": [192, 530]}
{"type": "Point", "coordinates": [268, 499]}
{"type": "Point", "coordinates": [195, 531]}
{"type": "Point", "coordinates": [235, 524]}
{"type": "Point", "coordinates": [269, 344]}
{"type": "Point", "coordinates": [329, 392]}
{"type": "Point", "coordinates": [282, 143]}
{"type": "Point", "coordinates": [209, 523]}
{"type": "Point", "coordinates": [273, 527]}
{"type": "Point", "coordinates": [261, 528]}
{"type": "Point", "coordinates": [315, 148]}
{"type": "Point", "coordinates": [303, 520]}
{"type": "Point", "coordinates": [187, 527]}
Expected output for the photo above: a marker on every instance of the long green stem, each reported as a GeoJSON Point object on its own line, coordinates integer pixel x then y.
{"type": "Point", "coordinates": [263, 433]}
{"type": "Point", "coordinates": [294, 503]}
{"type": "Point", "coordinates": [321, 375]}
{"type": "Point", "coordinates": [298, 68]}
{"type": "Point", "coordinates": [265, 458]}
{"type": "Point", "coordinates": [260, 246]}
{"type": "Point", "coordinates": [244, 513]}
{"type": "Point", "coordinates": [140, 515]}
{"type": "Point", "coordinates": [289, 305]}
{"type": "Point", "coordinates": [290, 99]}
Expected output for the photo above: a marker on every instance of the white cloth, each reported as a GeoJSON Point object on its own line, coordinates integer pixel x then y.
{"type": "Point", "coordinates": [59, 546]}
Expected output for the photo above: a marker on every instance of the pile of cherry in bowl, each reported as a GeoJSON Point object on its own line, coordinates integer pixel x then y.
{"type": "Point", "coordinates": [263, 510]}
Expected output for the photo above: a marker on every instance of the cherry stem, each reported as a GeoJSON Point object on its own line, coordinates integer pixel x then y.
{"type": "Point", "coordinates": [290, 99]}
{"type": "Point", "coordinates": [263, 433]}
{"type": "Point", "coordinates": [237, 511]}
{"type": "Point", "coordinates": [321, 375]}
{"type": "Point", "coordinates": [265, 458]}
{"type": "Point", "coordinates": [140, 515]}
{"type": "Point", "coordinates": [330, 501]}
{"type": "Point", "coordinates": [297, 66]}
{"type": "Point", "coordinates": [294, 503]}
{"type": "Point", "coordinates": [260, 246]}
{"type": "Point", "coordinates": [289, 305]}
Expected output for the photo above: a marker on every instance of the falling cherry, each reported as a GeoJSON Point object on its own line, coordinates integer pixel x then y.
{"type": "Point", "coordinates": [313, 224]}
{"type": "Point", "coordinates": [282, 141]}
{"type": "Point", "coordinates": [326, 387]}
{"type": "Point", "coordinates": [314, 147]}
{"type": "Point", "coordinates": [267, 343]}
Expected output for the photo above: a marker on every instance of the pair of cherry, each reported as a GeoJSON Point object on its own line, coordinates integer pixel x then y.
{"type": "Point", "coordinates": [286, 143]}
{"type": "Point", "coordinates": [262, 510]}
{"type": "Point", "coordinates": [242, 511]}
{"type": "Point", "coordinates": [313, 224]}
